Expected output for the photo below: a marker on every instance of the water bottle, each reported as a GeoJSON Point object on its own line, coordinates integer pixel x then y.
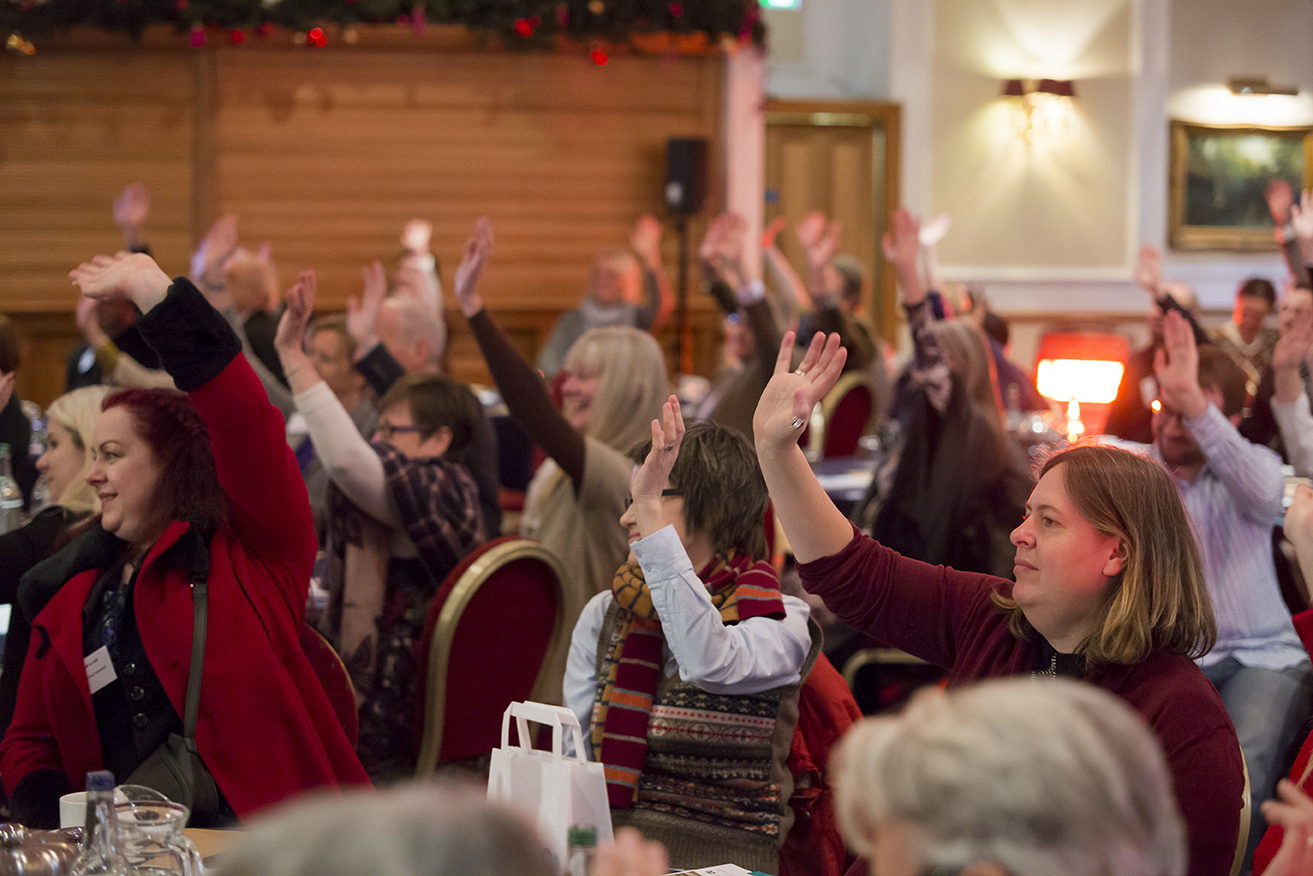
{"type": "Point", "coordinates": [582, 845]}
{"type": "Point", "coordinates": [11, 498]}
{"type": "Point", "coordinates": [101, 856]}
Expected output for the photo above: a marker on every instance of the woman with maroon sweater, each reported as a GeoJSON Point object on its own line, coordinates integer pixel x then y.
{"type": "Point", "coordinates": [1109, 589]}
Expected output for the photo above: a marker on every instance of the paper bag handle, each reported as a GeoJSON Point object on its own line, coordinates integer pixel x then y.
{"type": "Point", "coordinates": [561, 719]}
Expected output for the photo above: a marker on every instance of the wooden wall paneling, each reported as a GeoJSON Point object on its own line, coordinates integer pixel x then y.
{"type": "Point", "coordinates": [79, 126]}
{"type": "Point", "coordinates": [325, 154]}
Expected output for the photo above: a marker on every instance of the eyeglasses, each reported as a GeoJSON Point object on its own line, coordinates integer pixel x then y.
{"type": "Point", "coordinates": [668, 491]}
{"type": "Point", "coordinates": [387, 430]}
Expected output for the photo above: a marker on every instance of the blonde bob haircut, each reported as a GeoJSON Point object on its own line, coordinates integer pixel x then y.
{"type": "Point", "coordinates": [76, 413]}
{"type": "Point", "coordinates": [1159, 597]}
{"type": "Point", "coordinates": [632, 383]}
{"type": "Point", "coordinates": [1036, 776]}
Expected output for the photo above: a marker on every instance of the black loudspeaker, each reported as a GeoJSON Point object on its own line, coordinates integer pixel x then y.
{"type": "Point", "coordinates": [686, 175]}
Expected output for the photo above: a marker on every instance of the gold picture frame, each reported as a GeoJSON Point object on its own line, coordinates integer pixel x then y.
{"type": "Point", "coordinates": [1216, 178]}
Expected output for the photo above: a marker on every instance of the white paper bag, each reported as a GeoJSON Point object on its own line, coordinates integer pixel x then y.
{"type": "Point", "coordinates": [556, 790]}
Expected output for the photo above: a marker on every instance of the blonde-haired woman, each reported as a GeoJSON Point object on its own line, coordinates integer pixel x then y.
{"type": "Point", "coordinates": [65, 463]}
{"type": "Point", "coordinates": [615, 386]}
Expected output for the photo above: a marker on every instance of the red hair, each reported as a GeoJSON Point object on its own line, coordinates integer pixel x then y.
{"type": "Point", "coordinates": [188, 487]}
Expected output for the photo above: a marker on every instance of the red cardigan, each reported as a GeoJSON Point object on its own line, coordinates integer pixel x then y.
{"type": "Point", "coordinates": [947, 618]}
{"type": "Point", "coordinates": [266, 730]}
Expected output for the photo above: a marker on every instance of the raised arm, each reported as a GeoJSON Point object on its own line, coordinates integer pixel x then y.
{"type": "Point", "coordinates": [519, 384]}
{"type": "Point", "coordinates": [270, 511]}
{"type": "Point", "coordinates": [1290, 406]}
{"type": "Point", "coordinates": [815, 527]}
{"type": "Point", "coordinates": [1281, 204]}
{"type": "Point", "coordinates": [659, 300]}
{"type": "Point", "coordinates": [757, 653]}
{"type": "Point", "coordinates": [1251, 474]}
{"type": "Point", "coordinates": [794, 290]}
{"type": "Point", "coordinates": [347, 457]}
{"type": "Point", "coordinates": [722, 253]}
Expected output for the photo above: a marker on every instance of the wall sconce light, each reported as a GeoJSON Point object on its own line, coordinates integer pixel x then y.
{"type": "Point", "coordinates": [1081, 368]}
{"type": "Point", "coordinates": [1043, 105]}
{"type": "Point", "coordinates": [1258, 86]}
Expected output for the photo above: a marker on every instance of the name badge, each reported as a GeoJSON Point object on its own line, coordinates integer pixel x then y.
{"type": "Point", "coordinates": [100, 669]}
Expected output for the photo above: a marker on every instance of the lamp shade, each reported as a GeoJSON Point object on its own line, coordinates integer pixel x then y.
{"type": "Point", "coordinates": [1083, 366]}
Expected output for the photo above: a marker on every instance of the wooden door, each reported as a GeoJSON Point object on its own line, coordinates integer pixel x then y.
{"type": "Point", "coordinates": [839, 157]}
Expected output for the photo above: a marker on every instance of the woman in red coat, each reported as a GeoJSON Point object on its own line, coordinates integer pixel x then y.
{"type": "Point", "coordinates": [192, 487]}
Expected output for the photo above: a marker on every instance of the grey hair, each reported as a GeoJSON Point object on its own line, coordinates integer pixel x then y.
{"type": "Point", "coordinates": [1036, 776]}
{"type": "Point", "coordinates": [418, 323]}
{"type": "Point", "coordinates": [438, 829]}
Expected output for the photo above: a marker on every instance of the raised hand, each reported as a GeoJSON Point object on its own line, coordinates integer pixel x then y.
{"type": "Point", "coordinates": [901, 242]}
{"type": "Point", "coordinates": [1293, 810]}
{"type": "Point", "coordinates": [290, 336]}
{"type": "Point", "coordinates": [786, 403]}
{"type": "Point", "coordinates": [7, 387]}
{"type": "Point", "coordinates": [1149, 270]}
{"type": "Point", "coordinates": [89, 323]}
{"type": "Point", "coordinates": [218, 244]}
{"type": "Point", "coordinates": [415, 236]}
{"type": "Point", "coordinates": [723, 248]}
{"type": "Point", "coordinates": [362, 312]}
{"type": "Point", "coordinates": [1279, 200]}
{"type": "Point", "coordinates": [466, 280]}
{"type": "Point", "coordinates": [650, 478]}
{"type": "Point", "coordinates": [130, 211]}
{"type": "Point", "coordinates": [1301, 219]}
{"type": "Point", "coordinates": [646, 240]}
{"type": "Point", "coordinates": [1296, 340]}
{"type": "Point", "coordinates": [131, 275]}
{"type": "Point", "coordinates": [1176, 366]}
{"type": "Point", "coordinates": [772, 231]}
{"type": "Point", "coordinates": [819, 238]}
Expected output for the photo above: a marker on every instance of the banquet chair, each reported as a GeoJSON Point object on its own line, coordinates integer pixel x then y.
{"type": "Point", "coordinates": [497, 632]}
{"type": "Point", "coordinates": [843, 416]}
{"type": "Point", "coordinates": [332, 674]}
{"type": "Point", "coordinates": [1246, 814]}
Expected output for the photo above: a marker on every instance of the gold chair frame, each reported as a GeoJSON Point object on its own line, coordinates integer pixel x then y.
{"type": "Point", "coordinates": [823, 413]}
{"type": "Point", "coordinates": [439, 656]}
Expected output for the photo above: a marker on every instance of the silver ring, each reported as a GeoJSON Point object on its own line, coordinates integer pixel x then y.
{"type": "Point", "coordinates": [797, 423]}
{"type": "Point", "coordinates": [800, 373]}
{"type": "Point", "coordinates": [669, 447]}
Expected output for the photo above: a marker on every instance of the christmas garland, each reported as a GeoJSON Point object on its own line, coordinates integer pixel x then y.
{"type": "Point", "coordinates": [526, 24]}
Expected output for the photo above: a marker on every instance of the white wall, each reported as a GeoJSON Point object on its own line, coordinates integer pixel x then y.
{"type": "Point", "coordinates": [1054, 230]}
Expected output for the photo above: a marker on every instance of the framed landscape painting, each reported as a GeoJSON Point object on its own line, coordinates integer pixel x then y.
{"type": "Point", "coordinates": [1217, 174]}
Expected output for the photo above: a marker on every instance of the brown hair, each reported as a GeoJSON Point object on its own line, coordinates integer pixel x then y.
{"type": "Point", "coordinates": [1159, 598]}
{"type": "Point", "coordinates": [1219, 371]}
{"type": "Point", "coordinates": [724, 492]}
{"type": "Point", "coordinates": [436, 401]}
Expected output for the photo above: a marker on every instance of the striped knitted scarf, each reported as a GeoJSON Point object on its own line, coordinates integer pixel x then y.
{"type": "Point", "coordinates": [739, 589]}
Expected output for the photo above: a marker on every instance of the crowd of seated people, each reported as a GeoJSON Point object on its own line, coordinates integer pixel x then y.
{"type": "Point", "coordinates": [245, 434]}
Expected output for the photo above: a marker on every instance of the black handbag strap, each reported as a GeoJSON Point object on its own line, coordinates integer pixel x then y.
{"type": "Point", "coordinates": [200, 600]}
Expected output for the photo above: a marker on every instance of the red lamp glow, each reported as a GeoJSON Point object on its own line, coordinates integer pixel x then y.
{"type": "Point", "coordinates": [1081, 368]}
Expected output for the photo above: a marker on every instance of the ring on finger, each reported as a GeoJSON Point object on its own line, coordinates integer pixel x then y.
{"type": "Point", "coordinates": [797, 423]}
{"type": "Point", "coordinates": [800, 372]}
{"type": "Point", "coordinates": [669, 447]}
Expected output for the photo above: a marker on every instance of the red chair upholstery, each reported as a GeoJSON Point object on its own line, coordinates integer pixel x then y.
{"type": "Point", "coordinates": [495, 633]}
{"type": "Point", "coordinates": [846, 411]}
{"type": "Point", "coordinates": [826, 710]}
{"type": "Point", "coordinates": [333, 676]}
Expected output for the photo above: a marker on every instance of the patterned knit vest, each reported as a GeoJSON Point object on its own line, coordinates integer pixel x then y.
{"type": "Point", "coordinates": [715, 784]}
